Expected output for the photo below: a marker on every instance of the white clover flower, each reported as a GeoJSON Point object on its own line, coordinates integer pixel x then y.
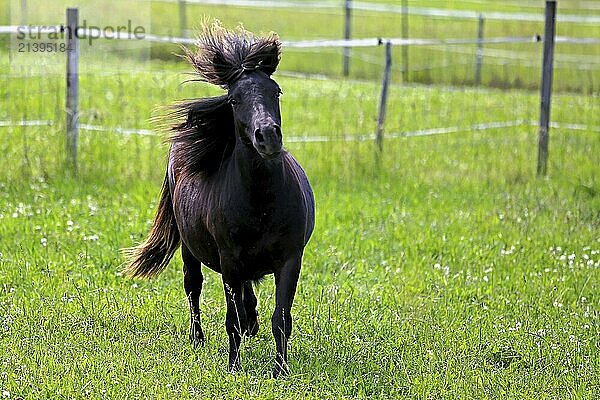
{"type": "Point", "coordinates": [557, 304]}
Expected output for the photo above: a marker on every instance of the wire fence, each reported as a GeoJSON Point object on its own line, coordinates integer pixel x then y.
{"type": "Point", "coordinates": [328, 43]}
{"type": "Point", "coordinates": [460, 46]}
{"type": "Point", "coordinates": [369, 51]}
{"type": "Point", "coordinates": [387, 8]}
{"type": "Point", "coordinates": [510, 59]}
{"type": "Point", "coordinates": [365, 137]}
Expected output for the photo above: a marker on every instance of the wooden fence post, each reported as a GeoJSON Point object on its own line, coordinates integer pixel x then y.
{"type": "Point", "coordinates": [405, 37]}
{"type": "Point", "coordinates": [384, 95]}
{"type": "Point", "coordinates": [72, 95]}
{"type": "Point", "coordinates": [182, 18]}
{"type": "Point", "coordinates": [23, 12]}
{"type": "Point", "coordinates": [347, 35]}
{"type": "Point", "coordinates": [479, 51]}
{"type": "Point", "coordinates": [546, 90]}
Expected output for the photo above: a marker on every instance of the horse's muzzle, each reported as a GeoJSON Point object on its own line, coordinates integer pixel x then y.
{"type": "Point", "coordinates": [268, 141]}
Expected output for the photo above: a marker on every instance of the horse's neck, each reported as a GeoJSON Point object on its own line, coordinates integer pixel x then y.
{"type": "Point", "coordinates": [255, 173]}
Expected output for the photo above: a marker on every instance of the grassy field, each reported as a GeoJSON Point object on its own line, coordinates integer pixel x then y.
{"type": "Point", "coordinates": [445, 269]}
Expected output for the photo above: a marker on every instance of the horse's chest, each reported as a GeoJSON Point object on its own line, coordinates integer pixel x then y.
{"type": "Point", "coordinates": [256, 230]}
{"type": "Point", "coordinates": [257, 234]}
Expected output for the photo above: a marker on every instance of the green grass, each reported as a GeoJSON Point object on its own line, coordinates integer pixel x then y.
{"type": "Point", "coordinates": [445, 269]}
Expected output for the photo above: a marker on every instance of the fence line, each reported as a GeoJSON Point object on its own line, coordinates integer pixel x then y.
{"type": "Point", "coordinates": [118, 129]}
{"type": "Point", "coordinates": [365, 42]}
{"type": "Point", "coordinates": [420, 11]}
{"type": "Point", "coordinates": [347, 43]}
{"type": "Point", "coordinates": [560, 58]}
{"type": "Point", "coordinates": [10, 123]}
{"type": "Point", "coordinates": [339, 138]}
{"type": "Point", "coordinates": [492, 56]}
{"type": "Point", "coordinates": [583, 61]}
{"type": "Point", "coordinates": [474, 15]}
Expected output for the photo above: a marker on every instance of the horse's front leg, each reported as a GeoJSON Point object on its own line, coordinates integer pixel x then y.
{"type": "Point", "coordinates": [286, 280]}
{"type": "Point", "coordinates": [250, 304]}
{"type": "Point", "coordinates": [235, 320]}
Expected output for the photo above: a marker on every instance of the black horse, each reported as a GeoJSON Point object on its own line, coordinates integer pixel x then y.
{"type": "Point", "coordinates": [233, 198]}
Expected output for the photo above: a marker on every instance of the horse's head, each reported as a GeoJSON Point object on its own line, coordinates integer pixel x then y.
{"type": "Point", "coordinates": [254, 99]}
{"type": "Point", "coordinates": [243, 63]}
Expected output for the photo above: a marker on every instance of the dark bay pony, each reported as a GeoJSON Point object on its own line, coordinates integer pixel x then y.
{"type": "Point", "coordinates": [233, 197]}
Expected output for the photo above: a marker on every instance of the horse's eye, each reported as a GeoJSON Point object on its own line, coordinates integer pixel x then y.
{"type": "Point", "coordinates": [232, 101]}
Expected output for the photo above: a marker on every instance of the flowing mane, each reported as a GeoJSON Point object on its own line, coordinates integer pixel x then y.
{"type": "Point", "coordinates": [205, 138]}
{"type": "Point", "coordinates": [223, 56]}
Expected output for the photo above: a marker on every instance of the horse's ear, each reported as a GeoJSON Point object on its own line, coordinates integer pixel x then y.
{"type": "Point", "coordinates": [271, 55]}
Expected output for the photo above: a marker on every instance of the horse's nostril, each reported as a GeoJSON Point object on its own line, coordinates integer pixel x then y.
{"type": "Point", "coordinates": [259, 136]}
{"type": "Point", "coordinates": [277, 130]}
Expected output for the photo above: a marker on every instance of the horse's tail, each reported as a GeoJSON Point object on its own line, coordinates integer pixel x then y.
{"type": "Point", "coordinates": [150, 258]}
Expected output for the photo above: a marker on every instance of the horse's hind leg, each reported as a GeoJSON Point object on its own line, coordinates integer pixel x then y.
{"type": "Point", "coordinates": [250, 303]}
{"type": "Point", "coordinates": [192, 282]}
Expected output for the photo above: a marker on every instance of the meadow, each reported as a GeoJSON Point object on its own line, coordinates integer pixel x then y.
{"type": "Point", "coordinates": [442, 268]}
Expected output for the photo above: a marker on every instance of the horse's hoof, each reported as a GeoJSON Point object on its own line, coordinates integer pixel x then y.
{"type": "Point", "coordinates": [197, 338]}
{"type": "Point", "coordinates": [280, 371]}
{"type": "Point", "coordinates": [234, 367]}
